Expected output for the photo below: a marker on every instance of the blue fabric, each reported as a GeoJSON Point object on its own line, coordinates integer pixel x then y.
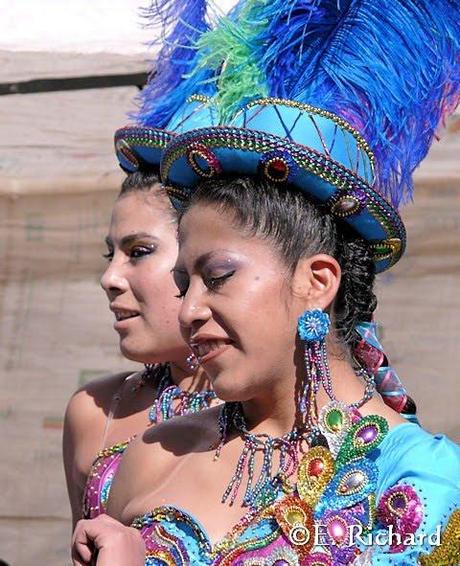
{"type": "Point", "coordinates": [314, 131]}
{"type": "Point", "coordinates": [407, 455]}
{"type": "Point", "coordinates": [431, 465]}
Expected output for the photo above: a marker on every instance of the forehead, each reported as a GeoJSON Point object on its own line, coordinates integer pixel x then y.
{"type": "Point", "coordinates": [203, 223]}
{"type": "Point", "coordinates": [203, 229]}
{"type": "Point", "coordinates": [141, 210]}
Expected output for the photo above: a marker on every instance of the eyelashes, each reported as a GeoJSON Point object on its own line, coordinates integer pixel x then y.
{"type": "Point", "coordinates": [212, 283]}
{"type": "Point", "coordinates": [140, 251]}
{"type": "Point", "coordinates": [135, 253]}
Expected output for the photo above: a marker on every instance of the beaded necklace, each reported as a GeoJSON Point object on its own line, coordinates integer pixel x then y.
{"type": "Point", "coordinates": [261, 492]}
{"type": "Point", "coordinates": [258, 493]}
{"type": "Point", "coordinates": [172, 401]}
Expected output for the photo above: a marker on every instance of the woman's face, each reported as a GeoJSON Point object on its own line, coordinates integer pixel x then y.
{"type": "Point", "coordinates": [238, 313]}
{"type": "Point", "coordinates": [142, 250]}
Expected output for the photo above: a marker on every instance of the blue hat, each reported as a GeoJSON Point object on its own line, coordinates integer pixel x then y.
{"type": "Point", "coordinates": [340, 100]}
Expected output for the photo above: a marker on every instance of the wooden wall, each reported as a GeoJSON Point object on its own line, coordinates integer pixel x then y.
{"type": "Point", "coordinates": [58, 178]}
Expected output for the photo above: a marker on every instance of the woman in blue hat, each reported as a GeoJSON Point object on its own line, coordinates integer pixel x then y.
{"type": "Point", "coordinates": [290, 160]}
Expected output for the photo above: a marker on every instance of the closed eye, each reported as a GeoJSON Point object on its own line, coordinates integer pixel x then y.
{"type": "Point", "coordinates": [214, 283]}
{"type": "Point", "coordinates": [181, 279]}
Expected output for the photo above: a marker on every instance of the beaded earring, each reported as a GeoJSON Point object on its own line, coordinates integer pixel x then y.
{"type": "Point", "coordinates": [192, 362]}
{"type": "Point", "coordinates": [313, 327]}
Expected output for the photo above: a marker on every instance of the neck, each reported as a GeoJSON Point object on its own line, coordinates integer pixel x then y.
{"type": "Point", "coordinates": [274, 412]}
{"type": "Point", "coordinates": [191, 382]}
{"type": "Point", "coordinates": [346, 385]}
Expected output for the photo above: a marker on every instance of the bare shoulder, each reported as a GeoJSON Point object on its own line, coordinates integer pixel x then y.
{"type": "Point", "coordinates": [376, 406]}
{"type": "Point", "coordinates": [84, 424]}
{"type": "Point", "coordinates": [153, 457]}
{"type": "Point", "coordinates": [89, 406]}
{"type": "Point", "coordinates": [188, 433]}
{"type": "Point", "coordinates": [97, 394]}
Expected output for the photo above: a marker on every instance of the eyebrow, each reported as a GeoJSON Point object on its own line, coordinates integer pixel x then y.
{"type": "Point", "coordinates": [203, 259]}
{"type": "Point", "coordinates": [127, 240]}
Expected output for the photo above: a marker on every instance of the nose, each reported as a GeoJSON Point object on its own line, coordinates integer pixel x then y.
{"type": "Point", "coordinates": [194, 311]}
{"type": "Point", "coordinates": [113, 280]}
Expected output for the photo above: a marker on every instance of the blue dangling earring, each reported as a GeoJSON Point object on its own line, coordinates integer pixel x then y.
{"type": "Point", "coordinates": [313, 328]}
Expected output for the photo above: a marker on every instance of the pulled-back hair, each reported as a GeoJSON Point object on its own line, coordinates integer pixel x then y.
{"type": "Point", "coordinates": [139, 182]}
{"type": "Point", "coordinates": [298, 228]}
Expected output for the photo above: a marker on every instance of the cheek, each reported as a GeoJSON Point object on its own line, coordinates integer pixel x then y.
{"type": "Point", "coordinates": [265, 306]}
{"type": "Point", "coordinates": [160, 303]}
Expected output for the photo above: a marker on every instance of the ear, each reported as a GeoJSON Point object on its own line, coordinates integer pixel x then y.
{"type": "Point", "coordinates": [316, 281]}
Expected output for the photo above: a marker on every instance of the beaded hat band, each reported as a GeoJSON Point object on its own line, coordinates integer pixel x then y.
{"type": "Point", "coordinates": [313, 150]}
{"type": "Point", "coordinates": [140, 148]}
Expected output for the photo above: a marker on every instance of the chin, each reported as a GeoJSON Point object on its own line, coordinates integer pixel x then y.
{"type": "Point", "coordinates": [151, 355]}
{"type": "Point", "coordinates": [226, 387]}
{"type": "Point", "coordinates": [136, 354]}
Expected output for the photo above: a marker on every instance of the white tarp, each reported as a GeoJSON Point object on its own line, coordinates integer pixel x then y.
{"type": "Point", "coordinates": [83, 26]}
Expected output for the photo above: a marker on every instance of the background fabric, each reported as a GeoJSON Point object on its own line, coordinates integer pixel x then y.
{"type": "Point", "coordinates": [58, 179]}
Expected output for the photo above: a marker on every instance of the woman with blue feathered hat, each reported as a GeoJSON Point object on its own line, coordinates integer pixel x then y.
{"type": "Point", "coordinates": [288, 134]}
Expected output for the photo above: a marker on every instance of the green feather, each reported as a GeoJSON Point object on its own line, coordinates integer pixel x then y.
{"type": "Point", "coordinates": [227, 50]}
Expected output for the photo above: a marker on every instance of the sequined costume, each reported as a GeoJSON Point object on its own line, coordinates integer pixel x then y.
{"type": "Point", "coordinates": [407, 479]}
{"type": "Point", "coordinates": [100, 479]}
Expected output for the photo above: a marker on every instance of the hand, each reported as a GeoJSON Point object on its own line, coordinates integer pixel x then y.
{"type": "Point", "coordinates": [106, 542]}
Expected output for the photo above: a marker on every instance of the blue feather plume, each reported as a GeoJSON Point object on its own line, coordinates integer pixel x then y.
{"type": "Point", "coordinates": [391, 68]}
{"type": "Point", "coordinates": [181, 22]}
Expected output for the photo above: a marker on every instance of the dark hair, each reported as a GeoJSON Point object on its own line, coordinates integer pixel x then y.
{"type": "Point", "coordinates": [299, 228]}
{"type": "Point", "coordinates": [139, 182]}
{"type": "Point", "coordinates": [146, 182]}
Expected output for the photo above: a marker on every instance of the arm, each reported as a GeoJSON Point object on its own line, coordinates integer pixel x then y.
{"type": "Point", "coordinates": [78, 449]}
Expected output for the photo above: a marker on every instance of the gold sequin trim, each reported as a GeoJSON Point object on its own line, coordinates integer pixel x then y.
{"type": "Point", "coordinates": [448, 552]}
{"type": "Point", "coordinates": [362, 143]}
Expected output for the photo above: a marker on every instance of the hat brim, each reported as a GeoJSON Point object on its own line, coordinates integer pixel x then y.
{"type": "Point", "coordinates": [214, 151]}
{"type": "Point", "coordinates": [140, 148]}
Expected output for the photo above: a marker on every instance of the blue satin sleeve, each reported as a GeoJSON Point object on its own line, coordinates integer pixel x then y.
{"type": "Point", "coordinates": [426, 468]}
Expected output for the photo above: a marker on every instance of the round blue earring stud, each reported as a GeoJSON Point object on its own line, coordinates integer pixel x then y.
{"type": "Point", "coordinates": [313, 325]}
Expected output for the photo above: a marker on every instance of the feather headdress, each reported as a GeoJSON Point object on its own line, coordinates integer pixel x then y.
{"type": "Point", "coordinates": [389, 68]}
{"type": "Point", "coordinates": [340, 98]}
{"type": "Point", "coordinates": [180, 24]}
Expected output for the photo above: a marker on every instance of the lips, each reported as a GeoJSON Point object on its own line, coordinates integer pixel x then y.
{"type": "Point", "coordinates": [122, 313]}
{"type": "Point", "coordinates": [206, 348]}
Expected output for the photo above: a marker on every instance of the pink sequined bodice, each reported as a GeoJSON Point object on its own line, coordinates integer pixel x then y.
{"type": "Point", "coordinates": [100, 479]}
